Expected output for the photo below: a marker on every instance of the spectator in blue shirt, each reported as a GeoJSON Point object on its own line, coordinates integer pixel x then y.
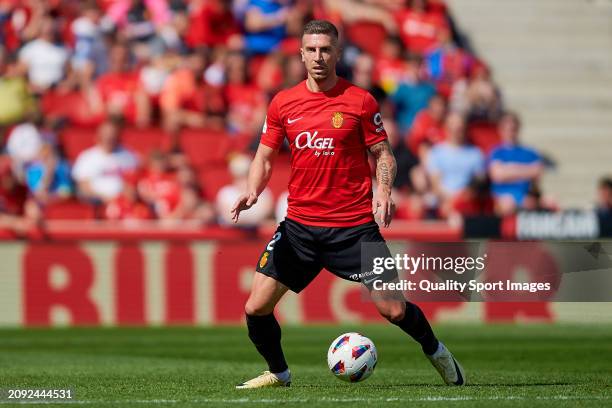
{"type": "Point", "coordinates": [412, 95]}
{"type": "Point", "coordinates": [452, 165]}
{"type": "Point", "coordinates": [48, 176]}
{"type": "Point", "coordinates": [48, 180]}
{"type": "Point", "coordinates": [265, 24]}
{"type": "Point", "coordinates": [512, 166]}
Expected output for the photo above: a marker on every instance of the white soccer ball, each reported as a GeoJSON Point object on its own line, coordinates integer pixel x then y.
{"type": "Point", "coordinates": [352, 357]}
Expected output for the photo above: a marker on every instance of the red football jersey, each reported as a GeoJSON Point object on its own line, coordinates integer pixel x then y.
{"type": "Point", "coordinates": [329, 133]}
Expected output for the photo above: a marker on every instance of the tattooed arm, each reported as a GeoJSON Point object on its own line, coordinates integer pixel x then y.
{"type": "Point", "coordinates": [386, 170]}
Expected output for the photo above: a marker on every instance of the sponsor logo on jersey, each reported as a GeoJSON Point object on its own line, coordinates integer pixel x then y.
{"type": "Point", "coordinates": [290, 121]}
{"type": "Point", "coordinates": [310, 140]}
{"type": "Point", "coordinates": [337, 120]}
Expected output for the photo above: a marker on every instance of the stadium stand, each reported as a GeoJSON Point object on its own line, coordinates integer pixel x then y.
{"type": "Point", "coordinates": [191, 80]}
{"type": "Point", "coordinates": [549, 58]}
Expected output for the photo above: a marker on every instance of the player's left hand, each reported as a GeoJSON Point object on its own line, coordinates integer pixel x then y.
{"type": "Point", "coordinates": [383, 204]}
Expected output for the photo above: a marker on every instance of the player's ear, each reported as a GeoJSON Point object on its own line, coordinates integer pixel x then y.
{"type": "Point", "coordinates": [302, 54]}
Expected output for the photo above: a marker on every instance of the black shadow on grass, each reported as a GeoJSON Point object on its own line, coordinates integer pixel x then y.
{"type": "Point", "coordinates": [392, 386]}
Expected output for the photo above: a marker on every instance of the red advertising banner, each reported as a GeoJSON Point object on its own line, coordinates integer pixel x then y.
{"type": "Point", "coordinates": [185, 282]}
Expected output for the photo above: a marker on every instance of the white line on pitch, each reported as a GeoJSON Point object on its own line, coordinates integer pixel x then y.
{"type": "Point", "coordinates": [305, 400]}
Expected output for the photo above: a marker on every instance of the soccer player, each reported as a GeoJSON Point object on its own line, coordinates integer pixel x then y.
{"type": "Point", "coordinates": [331, 125]}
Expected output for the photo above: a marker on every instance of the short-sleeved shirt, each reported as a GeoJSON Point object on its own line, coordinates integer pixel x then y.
{"type": "Point", "coordinates": [104, 171]}
{"type": "Point", "coordinates": [262, 42]}
{"type": "Point", "coordinates": [45, 62]}
{"type": "Point", "coordinates": [513, 154]}
{"type": "Point", "coordinates": [61, 183]}
{"type": "Point", "coordinates": [456, 165]}
{"type": "Point", "coordinates": [409, 99]}
{"type": "Point", "coordinates": [419, 31]}
{"type": "Point", "coordinates": [118, 89]}
{"type": "Point", "coordinates": [329, 134]}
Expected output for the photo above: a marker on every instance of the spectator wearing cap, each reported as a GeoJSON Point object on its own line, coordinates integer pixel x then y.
{"type": "Point", "coordinates": [98, 171]}
{"type": "Point", "coordinates": [513, 168]}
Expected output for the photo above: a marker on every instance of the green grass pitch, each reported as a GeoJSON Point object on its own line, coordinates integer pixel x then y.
{"type": "Point", "coordinates": [525, 365]}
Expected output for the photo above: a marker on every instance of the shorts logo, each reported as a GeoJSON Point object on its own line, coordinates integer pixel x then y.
{"type": "Point", "coordinates": [337, 120]}
{"type": "Point", "coordinates": [264, 259]}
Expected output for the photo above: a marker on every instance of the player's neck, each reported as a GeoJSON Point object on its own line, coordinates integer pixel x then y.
{"type": "Point", "coordinates": [321, 86]}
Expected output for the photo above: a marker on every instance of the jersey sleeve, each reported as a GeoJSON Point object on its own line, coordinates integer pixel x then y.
{"type": "Point", "coordinates": [272, 133]}
{"type": "Point", "coordinates": [371, 122]}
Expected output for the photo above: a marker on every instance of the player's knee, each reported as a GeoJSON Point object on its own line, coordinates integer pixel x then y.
{"type": "Point", "coordinates": [393, 312]}
{"type": "Point", "coordinates": [257, 309]}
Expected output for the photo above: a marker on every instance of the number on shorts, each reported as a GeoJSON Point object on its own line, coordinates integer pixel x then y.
{"type": "Point", "coordinates": [274, 240]}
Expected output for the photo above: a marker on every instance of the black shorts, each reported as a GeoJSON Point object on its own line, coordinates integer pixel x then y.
{"type": "Point", "coordinates": [297, 253]}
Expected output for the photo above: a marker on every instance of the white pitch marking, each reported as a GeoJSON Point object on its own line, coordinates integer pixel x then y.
{"type": "Point", "coordinates": [306, 400]}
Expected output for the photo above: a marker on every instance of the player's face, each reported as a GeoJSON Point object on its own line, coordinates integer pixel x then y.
{"type": "Point", "coordinates": [320, 54]}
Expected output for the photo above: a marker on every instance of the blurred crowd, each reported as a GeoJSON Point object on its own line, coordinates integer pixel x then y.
{"type": "Point", "coordinates": [170, 66]}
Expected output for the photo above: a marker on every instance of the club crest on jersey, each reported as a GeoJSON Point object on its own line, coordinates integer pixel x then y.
{"type": "Point", "coordinates": [264, 259]}
{"type": "Point", "coordinates": [337, 120]}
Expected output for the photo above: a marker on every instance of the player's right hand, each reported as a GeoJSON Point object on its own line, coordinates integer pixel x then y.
{"type": "Point", "coordinates": [244, 202]}
{"type": "Point", "coordinates": [382, 201]}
